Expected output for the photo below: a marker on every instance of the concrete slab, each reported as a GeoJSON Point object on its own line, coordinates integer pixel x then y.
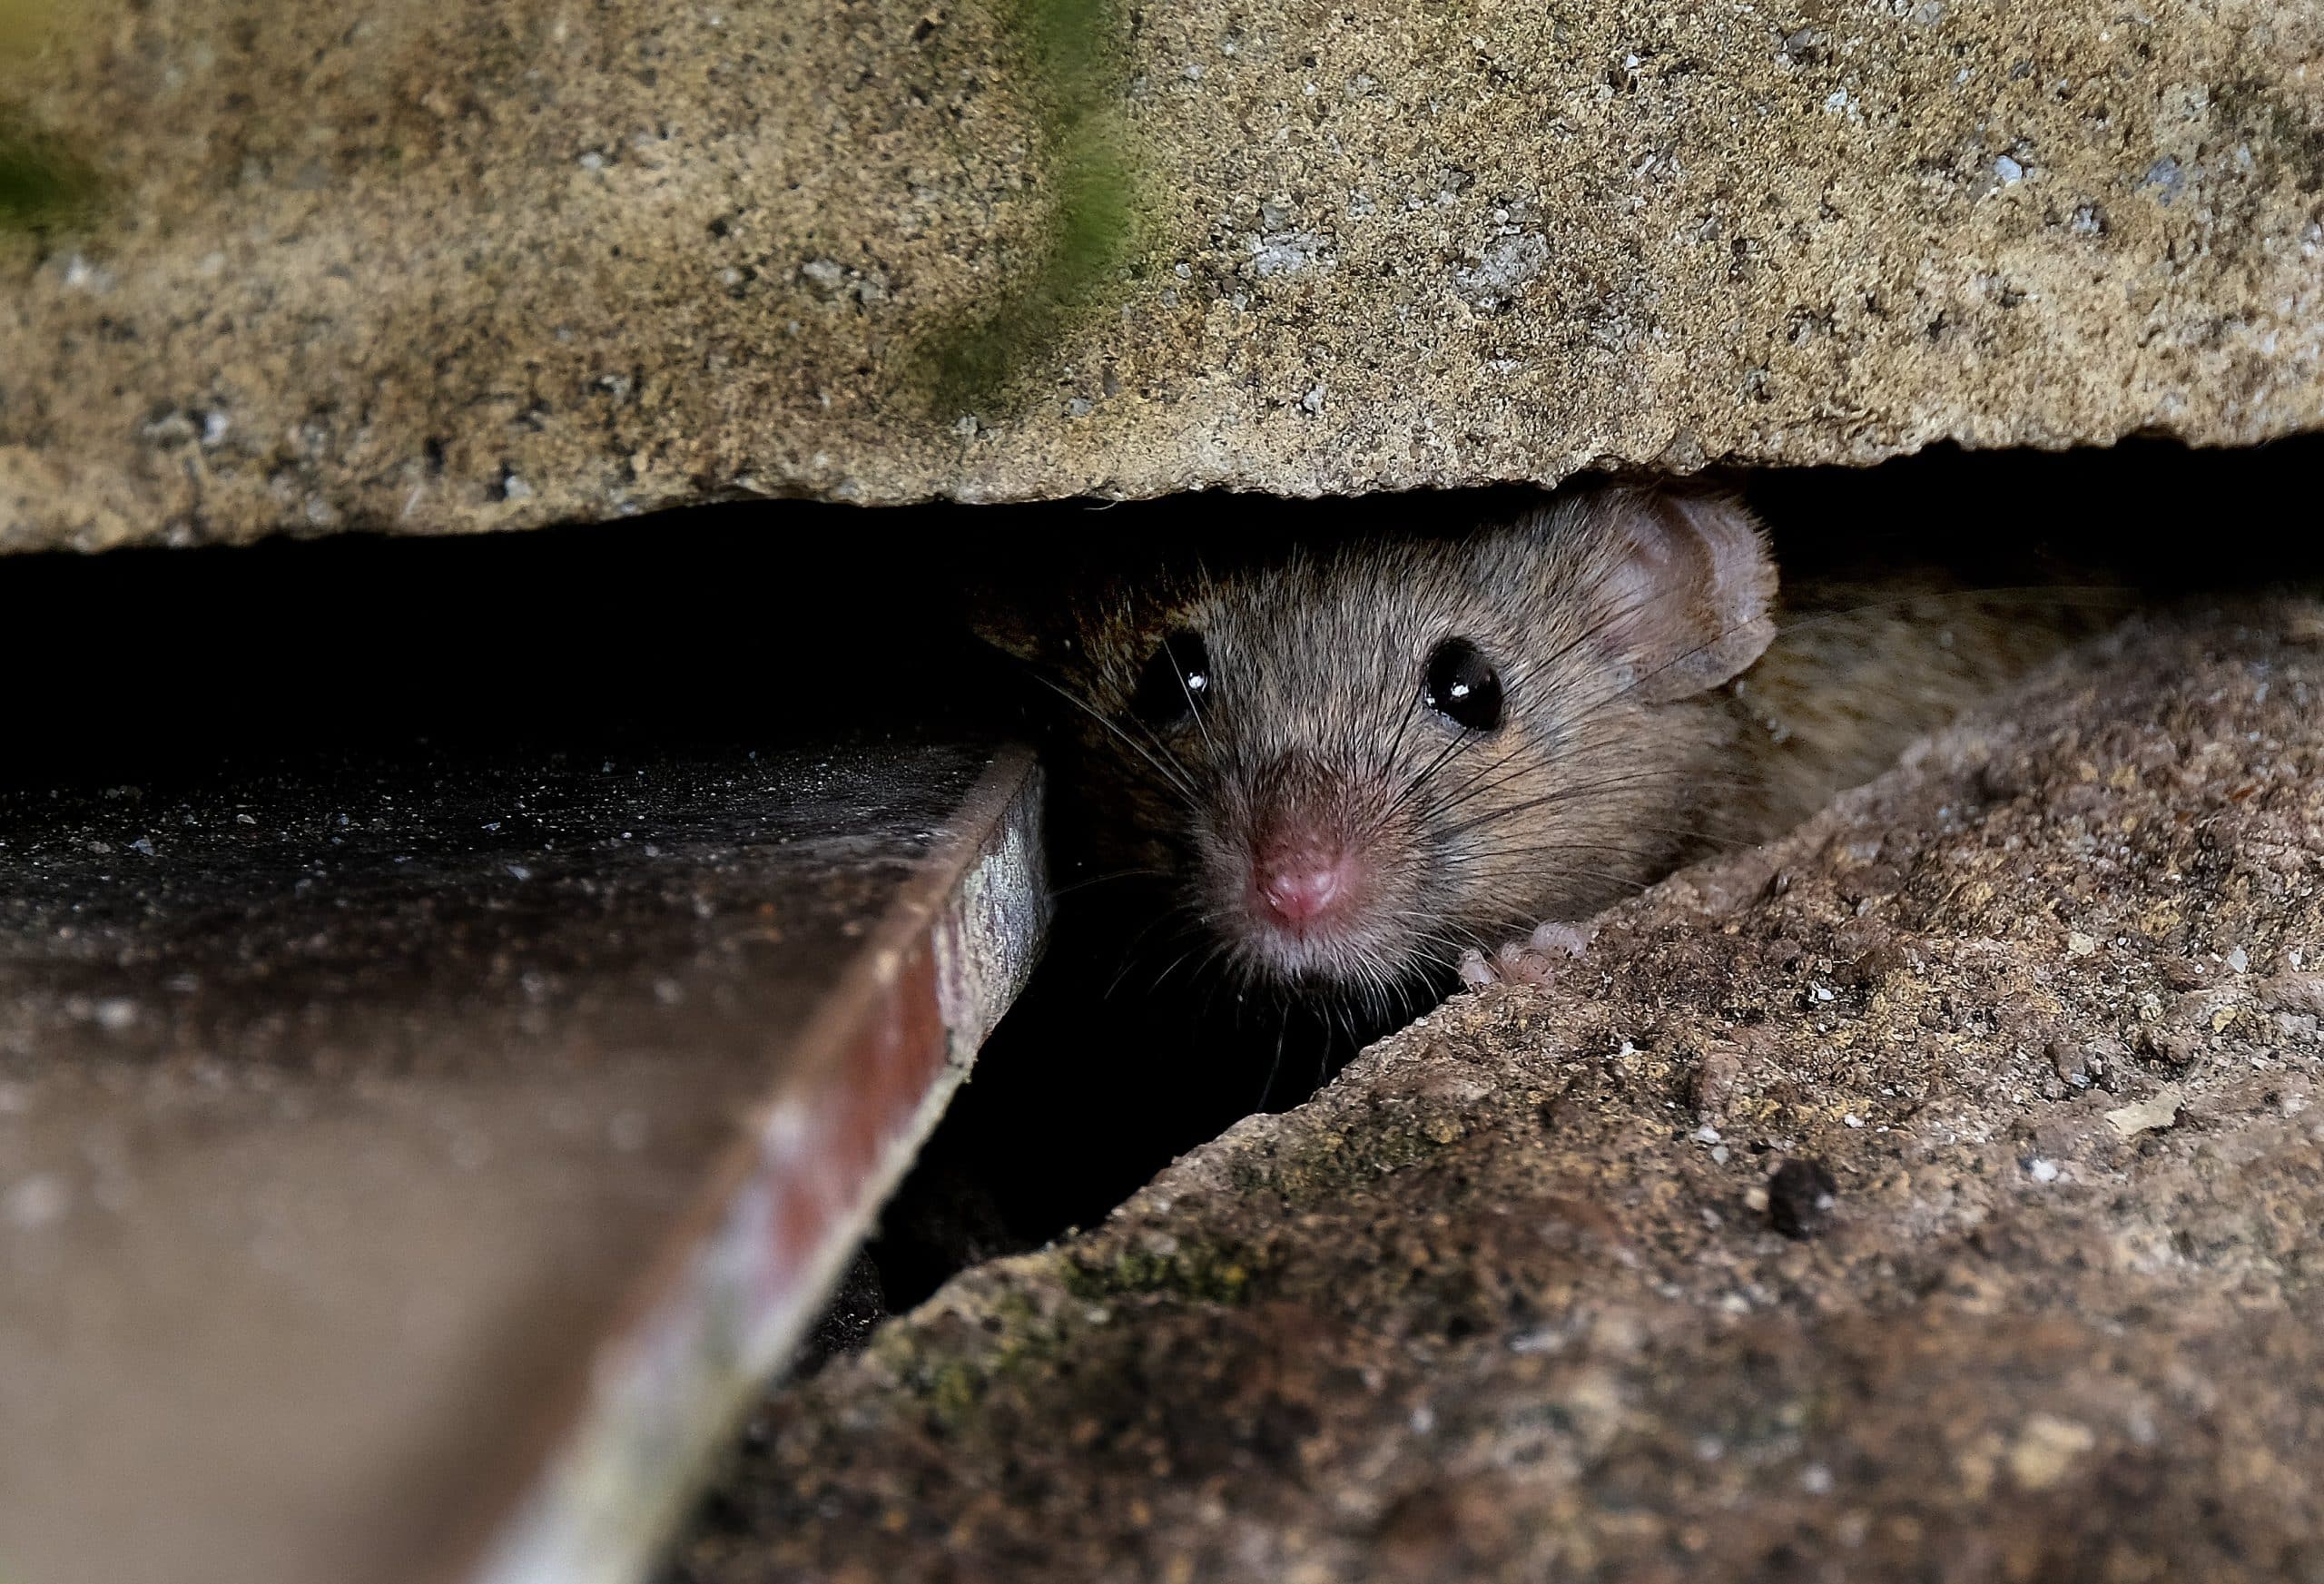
{"type": "Point", "coordinates": [407, 1168]}
{"type": "Point", "coordinates": [478, 264]}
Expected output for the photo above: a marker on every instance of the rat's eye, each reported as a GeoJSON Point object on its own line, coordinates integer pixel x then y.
{"type": "Point", "coordinates": [1176, 681]}
{"type": "Point", "coordinates": [1463, 687]}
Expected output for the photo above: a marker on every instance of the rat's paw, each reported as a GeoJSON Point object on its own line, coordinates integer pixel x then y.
{"type": "Point", "coordinates": [1530, 961]}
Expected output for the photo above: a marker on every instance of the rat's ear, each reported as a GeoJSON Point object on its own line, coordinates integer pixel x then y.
{"type": "Point", "coordinates": [1003, 618]}
{"type": "Point", "coordinates": [1023, 605]}
{"type": "Point", "coordinates": [1044, 601]}
{"type": "Point", "coordinates": [1062, 617]}
{"type": "Point", "coordinates": [1686, 589]}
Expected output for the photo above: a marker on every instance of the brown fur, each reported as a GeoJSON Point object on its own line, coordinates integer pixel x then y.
{"type": "Point", "coordinates": [1626, 749]}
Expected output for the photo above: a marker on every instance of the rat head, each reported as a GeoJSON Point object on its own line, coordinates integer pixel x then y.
{"type": "Point", "coordinates": [1354, 763]}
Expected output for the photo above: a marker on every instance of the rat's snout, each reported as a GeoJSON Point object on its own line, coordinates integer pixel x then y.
{"type": "Point", "coordinates": [1298, 885]}
{"type": "Point", "coordinates": [1308, 876]}
{"type": "Point", "coordinates": [1309, 885]}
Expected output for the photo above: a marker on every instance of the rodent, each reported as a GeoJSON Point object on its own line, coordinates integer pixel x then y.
{"type": "Point", "coordinates": [1354, 766]}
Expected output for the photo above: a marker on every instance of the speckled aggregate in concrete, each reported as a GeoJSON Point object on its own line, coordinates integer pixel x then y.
{"type": "Point", "coordinates": [1508, 1300]}
{"type": "Point", "coordinates": [452, 266]}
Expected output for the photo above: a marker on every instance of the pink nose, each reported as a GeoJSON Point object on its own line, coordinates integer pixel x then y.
{"type": "Point", "coordinates": [1304, 888]}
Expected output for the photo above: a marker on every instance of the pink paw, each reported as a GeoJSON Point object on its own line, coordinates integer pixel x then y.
{"type": "Point", "coordinates": [1530, 961]}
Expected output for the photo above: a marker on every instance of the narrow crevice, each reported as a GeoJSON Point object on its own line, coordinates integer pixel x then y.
{"type": "Point", "coordinates": [1097, 1079]}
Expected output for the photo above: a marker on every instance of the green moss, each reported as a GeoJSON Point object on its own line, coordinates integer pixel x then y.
{"type": "Point", "coordinates": [953, 1374]}
{"type": "Point", "coordinates": [1204, 1274]}
{"type": "Point", "coordinates": [1333, 1164]}
{"type": "Point", "coordinates": [1091, 185]}
{"type": "Point", "coordinates": [953, 1390]}
{"type": "Point", "coordinates": [40, 185]}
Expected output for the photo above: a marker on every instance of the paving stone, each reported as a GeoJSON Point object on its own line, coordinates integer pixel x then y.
{"type": "Point", "coordinates": [408, 1164]}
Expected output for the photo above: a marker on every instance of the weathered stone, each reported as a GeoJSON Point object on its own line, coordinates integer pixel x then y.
{"type": "Point", "coordinates": [1499, 1304]}
{"type": "Point", "coordinates": [450, 266]}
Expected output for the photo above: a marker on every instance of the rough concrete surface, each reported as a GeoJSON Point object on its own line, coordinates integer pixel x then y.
{"type": "Point", "coordinates": [474, 265]}
{"type": "Point", "coordinates": [2020, 1045]}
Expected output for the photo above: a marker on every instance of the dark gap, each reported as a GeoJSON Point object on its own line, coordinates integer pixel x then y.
{"type": "Point", "coordinates": [722, 623]}
{"type": "Point", "coordinates": [741, 625]}
{"type": "Point", "coordinates": [717, 626]}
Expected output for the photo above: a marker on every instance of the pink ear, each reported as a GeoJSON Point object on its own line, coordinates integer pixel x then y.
{"type": "Point", "coordinates": [1686, 590]}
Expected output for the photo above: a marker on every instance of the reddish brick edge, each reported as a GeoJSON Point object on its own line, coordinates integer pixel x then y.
{"type": "Point", "coordinates": [748, 1267]}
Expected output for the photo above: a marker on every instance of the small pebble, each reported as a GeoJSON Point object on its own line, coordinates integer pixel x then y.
{"type": "Point", "coordinates": [2073, 1067]}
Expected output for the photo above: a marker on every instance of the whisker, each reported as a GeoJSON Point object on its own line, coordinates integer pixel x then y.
{"type": "Point", "coordinates": [1070, 887]}
{"type": "Point", "coordinates": [1171, 771]}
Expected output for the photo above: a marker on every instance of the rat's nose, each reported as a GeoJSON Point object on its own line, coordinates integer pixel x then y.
{"type": "Point", "coordinates": [1298, 888]}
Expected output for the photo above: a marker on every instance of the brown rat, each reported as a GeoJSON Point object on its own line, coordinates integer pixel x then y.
{"type": "Point", "coordinates": [1363, 769]}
